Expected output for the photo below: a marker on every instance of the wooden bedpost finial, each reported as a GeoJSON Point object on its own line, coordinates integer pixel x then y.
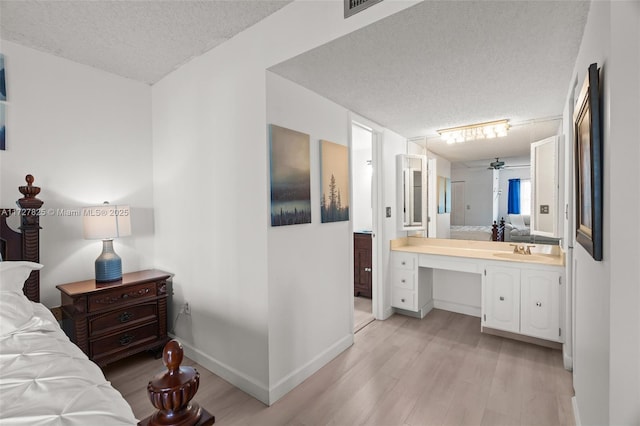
{"type": "Point", "coordinates": [29, 191]}
{"type": "Point", "coordinates": [171, 391]}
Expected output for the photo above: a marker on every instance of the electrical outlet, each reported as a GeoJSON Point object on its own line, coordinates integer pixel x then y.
{"type": "Point", "coordinates": [186, 308]}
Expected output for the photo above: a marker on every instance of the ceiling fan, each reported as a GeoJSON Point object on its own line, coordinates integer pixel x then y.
{"type": "Point", "coordinates": [499, 165]}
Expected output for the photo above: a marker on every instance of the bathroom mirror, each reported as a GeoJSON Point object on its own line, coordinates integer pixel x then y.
{"type": "Point", "coordinates": [412, 191]}
{"type": "Point", "coordinates": [544, 187]}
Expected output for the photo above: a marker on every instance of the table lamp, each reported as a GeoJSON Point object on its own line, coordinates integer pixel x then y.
{"type": "Point", "coordinates": [105, 223]}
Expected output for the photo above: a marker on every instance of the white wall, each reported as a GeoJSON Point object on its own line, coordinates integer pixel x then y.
{"type": "Point", "coordinates": [211, 195]}
{"type": "Point", "coordinates": [478, 194]}
{"type": "Point", "coordinates": [309, 265]}
{"type": "Point", "coordinates": [85, 135]}
{"type": "Point", "coordinates": [607, 293]}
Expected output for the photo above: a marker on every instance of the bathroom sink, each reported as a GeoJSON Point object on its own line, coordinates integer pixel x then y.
{"type": "Point", "coordinates": [526, 257]}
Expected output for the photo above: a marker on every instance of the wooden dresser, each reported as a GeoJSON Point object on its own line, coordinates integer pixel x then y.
{"type": "Point", "coordinates": [362, 264]}
{"type": "Point", "coordinates": [111, 321]}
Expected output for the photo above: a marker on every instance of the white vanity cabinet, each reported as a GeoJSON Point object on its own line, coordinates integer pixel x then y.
{"type": "Point", "coordinates": [540, 304]}
{"type": "Point", "coordinates": [523, 300]}
{"type": "Point", "coordinates": [411, 290]}
{"type": "Point", "coordinates": [404, 281]}
{"type": "Point", "coordinates": [501, 293]}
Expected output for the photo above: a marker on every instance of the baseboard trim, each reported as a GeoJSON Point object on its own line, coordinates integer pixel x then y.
{"type": "Point", "coordinates": [459, 308]}
{"type": "Point", "coordinates": [576, 413]}
{"type": "Point", "coordinates": [245, 383]}
{"type": "Point", "coordinates": [301, 374]}
{"type": "Point", "coordinates": [522, 338]}
{"type": "Point", "coordinates": [567, 361]}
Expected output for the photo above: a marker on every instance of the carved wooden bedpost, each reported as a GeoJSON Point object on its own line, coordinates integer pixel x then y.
{"type": "Point", "coordinates": [171, 392]}
{"type": "Point", "coordinates": [30, 227]}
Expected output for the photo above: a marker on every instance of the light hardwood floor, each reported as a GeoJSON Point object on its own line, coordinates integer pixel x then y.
{"type": "Point", "coordinates": [403, 371]}
{"type": "Point", "coordinates": [362, 313]}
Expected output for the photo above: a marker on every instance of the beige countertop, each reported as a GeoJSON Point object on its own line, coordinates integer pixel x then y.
{"type": "Point", "coordinates": [543, 254]}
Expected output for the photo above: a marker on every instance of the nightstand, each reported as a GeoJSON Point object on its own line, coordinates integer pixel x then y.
{"type": "Point", "coordinates": [111, 321]}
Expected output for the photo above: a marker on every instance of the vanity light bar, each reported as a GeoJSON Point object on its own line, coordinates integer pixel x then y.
{"type": "Point", "coordinates": [488, 130]}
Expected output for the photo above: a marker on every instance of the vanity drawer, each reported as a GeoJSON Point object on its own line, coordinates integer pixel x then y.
{"type": "Point", "coordinates": [121, 295]}
{"type": "Point", "coordinates": [404, 278]}
{"type": "Point", "coordinates": [404, 260]}
{"type": "Point", "coordinates": [123, 318]}
{"type": "Point", "coordinates": [403, 299]}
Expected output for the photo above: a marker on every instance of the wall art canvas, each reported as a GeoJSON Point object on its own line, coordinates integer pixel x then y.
{"type": "Point", "coordinates": [588, 165]}
{"type": "Point", "coordinates": [3, 83]}
{"type": "Point", "coordinates": [290, 176]}
{"type": "Point", "coordinates": [334, 204]}
{"type": "Point", "coordinates": [3, 127]}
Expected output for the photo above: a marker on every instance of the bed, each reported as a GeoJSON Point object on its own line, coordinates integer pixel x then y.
{"type": "Point", "coordinates": [479, 233]}
{"type": "Point", "coordinates": [45, 379]}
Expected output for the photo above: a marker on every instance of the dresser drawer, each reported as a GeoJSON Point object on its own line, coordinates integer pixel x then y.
{"type": "Point", "coordinates": [123, 318]}
{"type": "Point", "coordinates": [404, 260]}
{"type": "Point", "coordinates": [404, 278]}
{"type": "Point", "coordinates": [121, 295]}
{"type": "Point", "coordinates": [124, 340]}
{"type": "Point", "coordinates": [403, 299]}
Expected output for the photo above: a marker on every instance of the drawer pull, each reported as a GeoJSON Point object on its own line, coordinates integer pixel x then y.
{"type": "Point", "coordinates": [367, 269]}
{"type": "Point", "coordinates": [126, 339]}
{"type": "Point", "coordinates": [403, 263]}
{"type": "Point", "coordinates": [403, 280]}
{"type": "Point", "coordinates": [538, 304]}
{"type": "Point", "coordinates": [501, 297]}
{"type": "Point", "coordinates": [402, 300]}
{"type": "Point", "coordinates": [125, 316]}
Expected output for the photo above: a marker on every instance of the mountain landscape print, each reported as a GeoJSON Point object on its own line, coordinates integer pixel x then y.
{"type": "Point", "coordinates": [290, 176]}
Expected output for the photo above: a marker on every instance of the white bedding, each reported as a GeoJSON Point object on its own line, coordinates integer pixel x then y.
{"type": "Point", "coordinates": [468, 232]}
{"type": "Point", "coordinates": [47, 380]}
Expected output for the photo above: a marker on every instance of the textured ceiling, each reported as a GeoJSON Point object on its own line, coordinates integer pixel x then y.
{"type": "Point", "coordinates": [142, 40]}
{"type": "Point", "coordinates": [443, 64]}
{"type": "Point", "coordinates": [435, 65]}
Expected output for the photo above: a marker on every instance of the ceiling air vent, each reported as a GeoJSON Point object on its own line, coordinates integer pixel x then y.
{"type": "Point", "coordinates": [351, 7]}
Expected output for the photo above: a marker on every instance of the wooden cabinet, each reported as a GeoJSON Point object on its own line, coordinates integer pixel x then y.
{"type": "Point", "coordinates": [524, 301]}
{"type": "Point", "coordinates": [114, 320]}
{"type": "Point", "coordinates": [362, 263]}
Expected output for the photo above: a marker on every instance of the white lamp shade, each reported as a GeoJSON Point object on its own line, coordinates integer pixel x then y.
{"type": "Point", "coordinates": [106, 222]}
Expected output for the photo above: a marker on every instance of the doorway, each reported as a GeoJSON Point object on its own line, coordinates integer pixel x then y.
{"type": "Point", "coordinates": [362, 140]}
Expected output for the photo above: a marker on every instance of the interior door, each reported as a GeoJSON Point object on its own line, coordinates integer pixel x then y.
{"type": "Point", "coordinates": [457, 203]}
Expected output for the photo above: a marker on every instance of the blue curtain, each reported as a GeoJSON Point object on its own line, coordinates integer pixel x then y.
{"type": "Point", "coordinates": [514, 197]}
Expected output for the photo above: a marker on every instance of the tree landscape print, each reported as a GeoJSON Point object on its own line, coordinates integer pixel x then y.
{"type": "Point", "coordinates": [334, 206]}
{"type": "Point", "coordinates": [290, 177]}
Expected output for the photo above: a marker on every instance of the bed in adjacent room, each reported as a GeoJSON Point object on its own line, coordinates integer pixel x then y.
{"type": "Point", "coordinates": [478, 233]}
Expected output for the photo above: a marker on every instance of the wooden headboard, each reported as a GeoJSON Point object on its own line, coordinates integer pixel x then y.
{"type": "Point", "coordinates": [25, 243]}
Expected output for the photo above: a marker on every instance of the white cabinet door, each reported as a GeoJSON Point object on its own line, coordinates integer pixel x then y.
{"type": "Point", "coordinates": [540, 304]}
{"type": "Point", "coordinates": [502, 299]}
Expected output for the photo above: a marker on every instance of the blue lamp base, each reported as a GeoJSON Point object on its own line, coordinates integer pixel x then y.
{"type": "Point", "coordinates": [108, 264]}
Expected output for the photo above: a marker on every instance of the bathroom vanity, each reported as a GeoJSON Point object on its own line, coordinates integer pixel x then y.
{"type": "Point", "coordinates": [522, 287]}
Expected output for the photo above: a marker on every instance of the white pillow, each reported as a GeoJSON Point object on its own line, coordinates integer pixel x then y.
{"type": "Point", "coordinates": [15, 309]}
{"type": "Point", "coordinates": [517, 221]}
